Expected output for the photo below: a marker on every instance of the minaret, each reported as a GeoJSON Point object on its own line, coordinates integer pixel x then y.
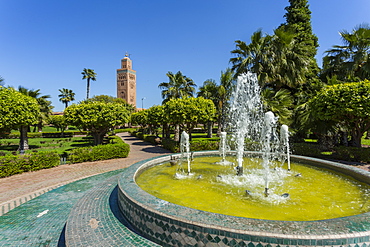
{"type": "Point", "coordinates": [126, 81]}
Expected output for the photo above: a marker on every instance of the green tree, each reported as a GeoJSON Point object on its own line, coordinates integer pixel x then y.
{"type": "Point", "coordinates": [298, 21]}
{"type": "Point", "coordinates": [350, 61]}
{"type": "Point", "coordinates": [219, 94]}
{"type": "Point", "coordinates": [18, 111]}
{"type": "Point", "coordinates": [66, 96]}
{"type": "Point", "coordinates": [1, 81]}
{"type": "Point", "coordinates": [280, 103]}
{"type": "Point", "coordinates": [347, 104]}
{"type": "Point", "coordinates": [44, 104]}
{"type": "Point", "coordinates": [140, 118]}
{"type": "Point", "coordinates": [178, 87]}
{"type": "Point", "coordinates": [88, 74]}
{"type": "Point", "coordinates": [59, 122]}
{"type": "Point", "coordinates": [274, 58]}
{"type": "Point", "coordinates": [156, 119]}
{"type": "Point", "coordinates": [97, 117]}
{"type": "Point", "coordinates": [209, 90]}
{"type": "Point", "coordinates": [189, 112]}
{"type": "Point", "coordinates": [110, 99]}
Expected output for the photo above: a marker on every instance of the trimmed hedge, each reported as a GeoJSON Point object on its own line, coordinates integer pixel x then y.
{"type": "Point", "coordinates": [14, 164]}
{"type": "Point", "coordinates": [100, 152]}
{"type": "Point", "coordinates": [15, 135]}
{"type": "Point", "coordinates": [352, 154]}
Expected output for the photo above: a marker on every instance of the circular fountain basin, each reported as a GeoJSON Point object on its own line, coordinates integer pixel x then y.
{"type": "Point", "coordinates": [173, 225]}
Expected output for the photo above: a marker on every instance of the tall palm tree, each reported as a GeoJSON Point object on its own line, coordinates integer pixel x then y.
{"type": "Point", "coordinates": [66, 96]}
{"type": "Point", "coordinates": [274, 58]}
{"type": "Point", "coordinates": [88, 74]}
{"type": "Point", "coordinates": [179, 86]}
{"type": "Point", "coordinates": [350, 61]}
{"type": "Point", "coordinates": [209, 90]}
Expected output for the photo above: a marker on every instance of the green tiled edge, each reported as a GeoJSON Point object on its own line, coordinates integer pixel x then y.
{"type": "Point", "coordinates": [338, 232]}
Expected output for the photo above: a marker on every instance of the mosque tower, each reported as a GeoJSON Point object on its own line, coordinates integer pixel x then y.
{"type": "Point", "coordinates": [126, 81]}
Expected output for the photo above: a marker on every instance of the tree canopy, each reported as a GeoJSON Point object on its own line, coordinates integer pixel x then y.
{"type": "Point", "coordinates": [97, 117]}
{"type": "Point", "coordinates": [179, 86]}
{"type": "Point", "coordinates": [347, 104]}
{"type": "Point", "coordinates": [17, 109]}
{"type": "Point", "coordinates": [189, 112]}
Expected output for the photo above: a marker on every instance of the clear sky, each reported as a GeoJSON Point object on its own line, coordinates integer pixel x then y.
{"type": "Point", "coordinates": [45, 44]}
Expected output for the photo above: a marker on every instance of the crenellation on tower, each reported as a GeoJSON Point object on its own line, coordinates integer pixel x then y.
{"type": "Point", "coordinates": [126, 81]}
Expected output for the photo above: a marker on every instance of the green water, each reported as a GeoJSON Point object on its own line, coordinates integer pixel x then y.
{"type": "Point", "coordinates": [314, 194]}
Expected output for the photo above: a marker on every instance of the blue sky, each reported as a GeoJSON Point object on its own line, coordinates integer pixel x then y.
{"type": "Point", "coordinates": [45, 44]}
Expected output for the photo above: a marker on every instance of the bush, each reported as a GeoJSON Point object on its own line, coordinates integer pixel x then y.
{"type": "Point", "coordinates": [56, 134]}
{"type": "Point", "coordinates": [100, 152]}
{"type": "Point", "coordinates": [352, 154]}
{"type": "Point", "coordinates": [130, 130]}
{"type": "Point", "coordinates": [201, 145]}
{"type": "Point", "coordinates": [171, 145]}
{"type": "Point", "coordinates": [14, 164]}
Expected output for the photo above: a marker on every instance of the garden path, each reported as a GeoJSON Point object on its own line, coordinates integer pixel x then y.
{"type": "Point", "coordinates": [20, 188]}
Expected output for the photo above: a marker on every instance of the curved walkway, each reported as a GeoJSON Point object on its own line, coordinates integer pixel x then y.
{"type": "Point", "coordinates": [20, 188]}
{"type": "Point", "coordinates": [41, 221]}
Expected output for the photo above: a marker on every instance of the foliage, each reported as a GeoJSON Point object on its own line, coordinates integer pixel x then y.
{"type": "Point", "coordinates": [66, 96]}
{"type": "Point", "coordinates": [58, 121]}
{"type": "Point", "coordinates": [97, 117]}
{"type": "Point", "coordinates": [140, 118]}
{"type": "Point", "coordinates": [111, 99]}
{"type": "Point", "coordinates": [280, 103]}
{"type": "Point", "coordinates": [350, 61]}
{"type": "Point", "coordinates": [100, 152]}
{"type": "Point", "coordinates": [17, 109]}
{"type": "Point", "coordinates": [178, 87]}
{"type": "Point", "coordinates": [88, 74]}
{"type": "Point", "coordinates": [347, 104]}
{"type": "Point", "coordinates": [274, 58]}
{"type": "Point", "coordinates": [11, 164]}
{"type": "Point", "coordinates": [189, 112]}
{"type": "Point", "coordinates": [298, 21]}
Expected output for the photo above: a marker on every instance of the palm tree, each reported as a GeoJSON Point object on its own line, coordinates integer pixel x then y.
{"type": "Point", "coordinates": [179, 86]}
{"type": "Point", "coordinates": [66, 96]}
{"type": "Point", "coordinates": [45, 111]}
{"type": "Point", "coordinates": [209, 90]}
{"type": "Point", "coordinates": [280, 103]}
{"type": "Point", "coordinates": [351, 61]}
{"type": "Point", "coordinates": [88, 74]}
{"type": "Point", "coordinates": [274, 58]}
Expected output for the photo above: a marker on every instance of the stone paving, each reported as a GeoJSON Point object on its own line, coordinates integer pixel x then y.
{"type": "Point", "coordinates": [40, 221]}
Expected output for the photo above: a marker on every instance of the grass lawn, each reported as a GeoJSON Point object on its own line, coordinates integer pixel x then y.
{"type": "Point", "coordinates": [8, 146]}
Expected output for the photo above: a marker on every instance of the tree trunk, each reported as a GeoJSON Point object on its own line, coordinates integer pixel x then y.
{"type": "Point", "coordinates": [88, 88]}
{"type": "Point", "coordinates": [177, 133]}
{"type": "Point", "coordinates": [23, 140]}
{"type": "Point", "coordinates": [356, 138]}
{"type": "Point", "coordinates": [98, 138]}
{"type": "Point", "coordinates": [209, 129]}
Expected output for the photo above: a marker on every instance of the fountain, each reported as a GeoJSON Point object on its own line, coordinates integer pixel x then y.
{"type": "Point", "coordinates": [171, 224]}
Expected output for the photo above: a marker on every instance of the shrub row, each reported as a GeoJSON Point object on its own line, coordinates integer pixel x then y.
{"type": "Point", "coordinates": [100, 152]}
{"type": "Point", "coordinates": [352, 154]}
{"type": "Point", "coordinates": [14, 164]}
{"type": "Point", "coordinates": [15, 135]}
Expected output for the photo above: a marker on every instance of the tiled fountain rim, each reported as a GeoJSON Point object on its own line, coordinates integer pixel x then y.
{"type": "Point", "coordinates": [356, 226]}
